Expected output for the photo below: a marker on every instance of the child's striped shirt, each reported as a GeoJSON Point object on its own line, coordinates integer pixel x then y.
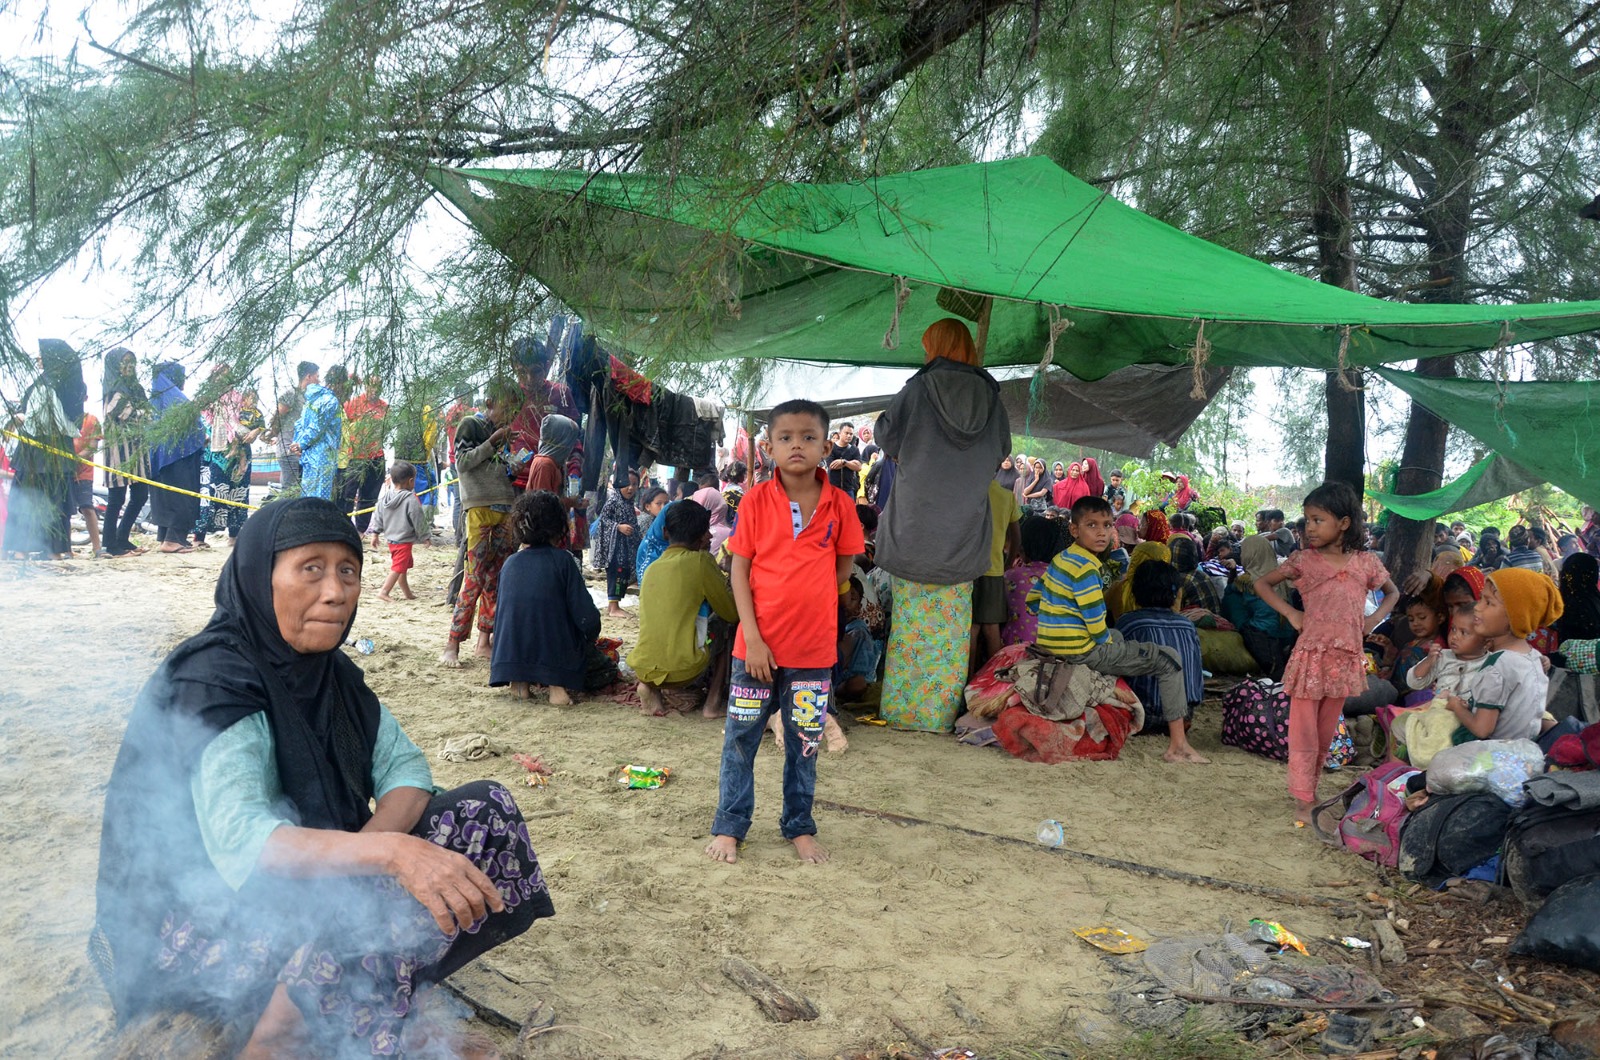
{"type": "Point", "coordinates": [1072, 604]}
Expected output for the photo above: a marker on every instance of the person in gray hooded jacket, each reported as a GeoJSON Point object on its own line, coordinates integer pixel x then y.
{"type": "Point", "coordinates": [948, 431]}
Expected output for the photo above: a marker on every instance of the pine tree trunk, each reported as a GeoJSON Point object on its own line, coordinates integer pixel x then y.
{"type": "Point", "coordinates": [1328, 166]}
{"type": "Point", "coordinates": [1452, 158]}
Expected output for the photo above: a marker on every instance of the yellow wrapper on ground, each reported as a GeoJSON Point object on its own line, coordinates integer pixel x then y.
{"type": "Point", "coordinates": [1112, 940]}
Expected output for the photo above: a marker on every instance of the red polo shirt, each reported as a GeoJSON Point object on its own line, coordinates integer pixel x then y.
{"type": "Point", "coordinates": [792, 576]}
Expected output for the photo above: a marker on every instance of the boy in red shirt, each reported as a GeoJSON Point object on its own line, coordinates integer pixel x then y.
{"type": "Point", "coordinates": [796, 541]}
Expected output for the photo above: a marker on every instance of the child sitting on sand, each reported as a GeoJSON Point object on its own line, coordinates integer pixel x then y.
{"type": "Point", "coordinates": [1426, 617]}
{"type": "Point", "coordinates": [670, 652]}
{"type": "Point", "coordinates": [547, 621]}
{"type": "Point", "coordinates": [399, 518]}
{"type": "Point", "coordinates": [1506, 697]}
{"type": "Point", "coordinates": [1449, 672]}
{"type": "Point", "coordinates": [858, 652]}
{"type": "Point", "coordinates": [798, 536]}
{"type": "Point", "coordinates": [1072, 623]}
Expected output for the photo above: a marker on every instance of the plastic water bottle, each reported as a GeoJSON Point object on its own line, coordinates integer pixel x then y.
{"type": "Point", "coordinates": [363, 645]}
{"type": "Point", "coordinates": [1051, 833]}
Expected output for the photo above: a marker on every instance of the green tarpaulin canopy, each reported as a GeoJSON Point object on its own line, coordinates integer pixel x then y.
{"type": "Point", "coordinates": [1488, 480]}
{"type": "Point", "coordinates": [1547, 428]}
{"type": "Point", "coordinates": [696, 267]}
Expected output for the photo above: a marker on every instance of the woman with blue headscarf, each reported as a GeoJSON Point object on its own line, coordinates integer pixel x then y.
{"type": "Point", "coordinates": [175, 459]}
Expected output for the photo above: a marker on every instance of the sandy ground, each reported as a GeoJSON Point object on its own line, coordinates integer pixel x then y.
{"type": "Point", "coordinates": [899, 923]}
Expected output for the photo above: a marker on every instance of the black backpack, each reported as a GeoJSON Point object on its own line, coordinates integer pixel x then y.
{"type": "Point", "coordinates": [1548, 845]}
{"type": "Point", "coordinates": [1450, 835]}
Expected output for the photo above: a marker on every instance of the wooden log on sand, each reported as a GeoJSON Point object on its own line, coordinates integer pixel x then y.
{"type": "Point", "coordinates": [779, 1004]}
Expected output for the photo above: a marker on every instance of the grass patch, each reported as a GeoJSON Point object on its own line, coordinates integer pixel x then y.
{"type": "Point", "coordinates": [1191, 1042]}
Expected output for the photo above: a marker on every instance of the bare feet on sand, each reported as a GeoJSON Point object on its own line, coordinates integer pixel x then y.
{"type": "Point", "coordinates": [520, 689]}
{"type": "Point", "coordinates": [386, 598]}
{"type": "Point", "coordinates": [614, 610]}
{"type": "Point", "coordinates": [833, 736]}
{"type": "Point", "coordinates": [714, 708]}
{"type": "Point", "coordinates": [651, 705]}
{"type": "Point", "coordinates": [808, 849]}
{"type": "Point", "coordinates": [1186, 756]}
{"type": "Point", "coordinates": [1302, 813]}
{"type": "Point", "coordinates": [451, 656]}
{"type": "Point", "coordinates": [483, 649]}
{"type": "Point", "coordinates": [559, 697]}
{"type": "Point", "coordinates": [723, 848]}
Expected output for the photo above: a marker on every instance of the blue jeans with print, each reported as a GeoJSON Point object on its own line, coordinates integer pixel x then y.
{"type": "Point", "coordinates": [801, 698]}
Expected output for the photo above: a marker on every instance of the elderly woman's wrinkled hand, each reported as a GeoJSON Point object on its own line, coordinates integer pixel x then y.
{"type": "Point", "coordinates": [448, 885]}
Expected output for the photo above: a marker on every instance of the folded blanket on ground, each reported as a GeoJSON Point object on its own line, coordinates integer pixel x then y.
{"type": "Point", "coordinates": [1577, 791]}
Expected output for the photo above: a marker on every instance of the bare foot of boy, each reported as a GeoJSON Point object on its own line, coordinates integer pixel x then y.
{"type": "Point", "coordinates": [614, 611]}
{"type": "Point", "coordinates": [408, 595]}
{"type": "Point", "coordinates": [559, 697]}
{"type": "Point", "coordinates": [775, 725]}
{"type": "Point", "coordinates": [651, 705]}
{"type": "Point", "coordinates": [520, 689]}
{"type": "Point", "coordinates": [714, 708]}
{"type": "Point", "coordinates": [833, 736]}
{"type": "Point", "coordinates": [809, 850]}
{"type": "Point", "coordinates": [1186, 756]}
{"type": "Point", "coordinates": [723, 848]}
{"type": "Point", "coordinates": [386, 598]}
{"type": "Point", "coordinates": [1303, 813]}
{"type": "Point", "coordinates": [451, 656]}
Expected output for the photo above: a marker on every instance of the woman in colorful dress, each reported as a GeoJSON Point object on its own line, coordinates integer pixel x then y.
{"type": "Point", "coordinates": [273, 858]}
{"type": "Point", "coordinates": [948, 431]}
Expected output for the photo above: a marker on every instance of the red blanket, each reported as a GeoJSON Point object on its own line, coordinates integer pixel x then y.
{"type": "Point", "coordinates": [1035, 739]}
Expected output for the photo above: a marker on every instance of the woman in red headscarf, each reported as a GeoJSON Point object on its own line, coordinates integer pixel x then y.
{"type": "Point", "coordinates": [1155, 526]}
{"type": "Point", "coordinates": [947, 430]}
{"type": "Point", "coordinates": [1069, 489]}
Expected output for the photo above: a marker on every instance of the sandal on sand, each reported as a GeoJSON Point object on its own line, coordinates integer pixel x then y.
{"type": "Point", "coordinates": [185, 550]}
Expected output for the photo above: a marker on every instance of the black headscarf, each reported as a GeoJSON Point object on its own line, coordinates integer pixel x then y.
{"type": "Point", "coordinates": [1580, 619]}
{"type": "Point", "coordinates": [64, 370]}
{"type": "Point", "coordinates": [324, 722]}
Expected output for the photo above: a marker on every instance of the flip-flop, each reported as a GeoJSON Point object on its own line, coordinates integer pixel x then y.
{"type": "Point", "coordinates": [185, 550]}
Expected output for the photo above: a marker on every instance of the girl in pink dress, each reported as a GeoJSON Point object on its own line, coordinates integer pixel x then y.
{"type": "Point", "coordinates": [1334, 573]}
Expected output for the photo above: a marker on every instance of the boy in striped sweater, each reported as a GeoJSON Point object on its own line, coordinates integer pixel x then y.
{"type": "Point", "coordinates": [1072, 623]}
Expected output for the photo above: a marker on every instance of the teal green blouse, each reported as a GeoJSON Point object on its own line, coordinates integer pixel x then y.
{"type": "Point", "coordinates": [239, 800]}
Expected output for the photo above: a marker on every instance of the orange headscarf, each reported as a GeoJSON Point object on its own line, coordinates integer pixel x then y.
{"type": "Point", "coordinates": [950, 339]}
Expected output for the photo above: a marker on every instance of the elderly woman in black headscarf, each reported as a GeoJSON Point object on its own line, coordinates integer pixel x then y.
{"type": "Point", "coordinates": [243, 876]}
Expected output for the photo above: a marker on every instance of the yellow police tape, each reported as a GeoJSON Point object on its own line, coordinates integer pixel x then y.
{"type": "Point", "coordinates": [162, 485]}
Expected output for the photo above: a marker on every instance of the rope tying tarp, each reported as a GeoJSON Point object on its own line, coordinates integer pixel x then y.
{"type": "Point", "coordinates": [902, 295]}
{"type": "Point", "coordinates": [1201, 351]}
{"type": "Point", "coordinates": [1344, 361]}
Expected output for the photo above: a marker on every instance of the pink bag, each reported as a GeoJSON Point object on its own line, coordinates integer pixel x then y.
{"type": "Point", "coordinates": [1369, 813]}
